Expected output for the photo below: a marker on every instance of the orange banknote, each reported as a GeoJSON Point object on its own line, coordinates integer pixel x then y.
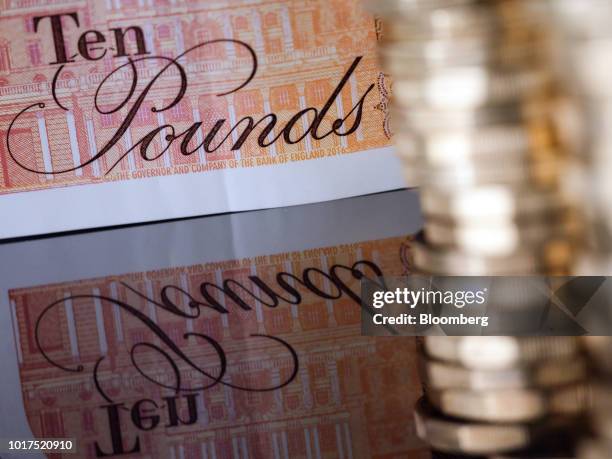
{"type": "Point", "coordinates": [184, 107]}
{"type": "Point", "coordinates": [251, 358]}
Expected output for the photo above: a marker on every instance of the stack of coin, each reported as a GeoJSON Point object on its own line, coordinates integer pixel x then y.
{"type": "Point", "coordinates": [584, 47]}
{"type": "Point", "coordinates": [599, 446]}
{"type": "Point", "coordinates": [474, 95]}
{"type": "Point", "coordinates": [488, 395]}
{"type": "Point", "coordinates": [474, 98]}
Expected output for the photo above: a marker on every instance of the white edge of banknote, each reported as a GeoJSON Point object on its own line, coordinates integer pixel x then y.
{"type": "Point", "coordinates": [185, 195]}
{"type": "Point", "coordinates": [217, 238]}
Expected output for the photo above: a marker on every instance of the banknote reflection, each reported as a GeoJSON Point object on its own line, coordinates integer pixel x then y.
{"type": "Point", "coordinates": [257, 356]}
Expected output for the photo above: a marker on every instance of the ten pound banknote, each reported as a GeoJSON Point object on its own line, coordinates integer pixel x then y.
{"type": "Point", "coordinates": [118, 111]}
{"type": "Point", "coordinates": [212, 338]}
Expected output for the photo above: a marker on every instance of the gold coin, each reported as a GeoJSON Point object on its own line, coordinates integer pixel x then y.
{"type": "Point", "coordinates": [481, 20]}
{"type": "Point", "coordinates": [469, 87]}
{"type": "Point", "coordinates": [543, 374]}
{"type": "Point", "coordinates": [489, 203]}
{"type": "Point", "coordinates": [393, 8]}
{"type": "Point", "coordinates": [399, 59]}
{"type": "Point", "coordinates": [427, 121]}
{"type": "Point", "coordinates": [499, 352]}
{"type": "Point", "coordinates": [493, 238]}
{"type": "Point", "coordinates": [464, 437]}
{"type": "Point", "coordinates": [544, 175]}
{"type": "Point", "coordinates": [510, 405]}
{"type": "Point", "coordinates": [554, 259]}
{"type": "Point", "coordinates": [533, 141]}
